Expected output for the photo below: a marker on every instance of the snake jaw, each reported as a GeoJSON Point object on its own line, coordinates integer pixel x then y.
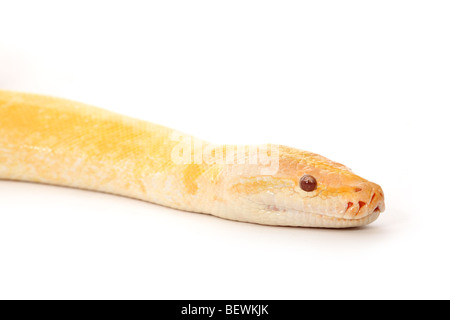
{"type": "Point", "coordinates": [328, 208]}
{"type": "Point", "coordinates": [291, 217]}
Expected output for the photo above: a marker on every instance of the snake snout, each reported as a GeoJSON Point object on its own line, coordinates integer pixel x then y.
{"type": "Point", "coordinates": [368, 199]}
{"type": "Point", "coordinates": [376, 202]}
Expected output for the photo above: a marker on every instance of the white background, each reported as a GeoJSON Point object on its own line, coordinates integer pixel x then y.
{"type": "Point", "coordinates": [365, 83]}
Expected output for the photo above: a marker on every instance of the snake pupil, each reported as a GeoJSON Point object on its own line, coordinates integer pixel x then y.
{"type": "Point", "coordinates": [308, 183]}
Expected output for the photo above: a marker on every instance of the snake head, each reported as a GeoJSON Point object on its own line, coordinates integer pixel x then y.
{"type": "Point", "coordinates": [308, 190]}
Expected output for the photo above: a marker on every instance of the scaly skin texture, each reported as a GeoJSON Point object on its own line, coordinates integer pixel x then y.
{"type": "Point", "coordinates": [61, 142]}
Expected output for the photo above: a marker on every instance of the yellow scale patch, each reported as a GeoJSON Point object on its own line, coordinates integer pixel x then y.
{"type": "Point", "coordinates": [70, 129]}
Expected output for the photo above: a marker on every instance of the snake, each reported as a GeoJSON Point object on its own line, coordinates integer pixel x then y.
{"type": "Point", "coordinates": [50, 140]}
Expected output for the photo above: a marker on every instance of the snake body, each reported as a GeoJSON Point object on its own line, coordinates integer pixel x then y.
{"type": "Point", "coordinates": [61, 142]}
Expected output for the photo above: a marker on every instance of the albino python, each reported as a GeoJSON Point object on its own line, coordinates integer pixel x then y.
{"type": "Point", "coordinates": [61, 142]}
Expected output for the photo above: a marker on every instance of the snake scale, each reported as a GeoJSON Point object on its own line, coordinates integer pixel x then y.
{"type": "Point", "coordinates": [61, 142]}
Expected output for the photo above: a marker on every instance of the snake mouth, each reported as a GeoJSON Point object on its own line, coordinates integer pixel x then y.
{"type": "Point", "coordinates": [359, 208]}
{"type": "Point", "coordinates": [378, 209]}
{"type": "Point", "coordinates": [295, 217]}
{"type": "Point", "coordinates": [335, 222]}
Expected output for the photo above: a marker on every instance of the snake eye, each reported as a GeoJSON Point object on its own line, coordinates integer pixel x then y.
{"type": "Point", "coordinates": [308, 183]}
